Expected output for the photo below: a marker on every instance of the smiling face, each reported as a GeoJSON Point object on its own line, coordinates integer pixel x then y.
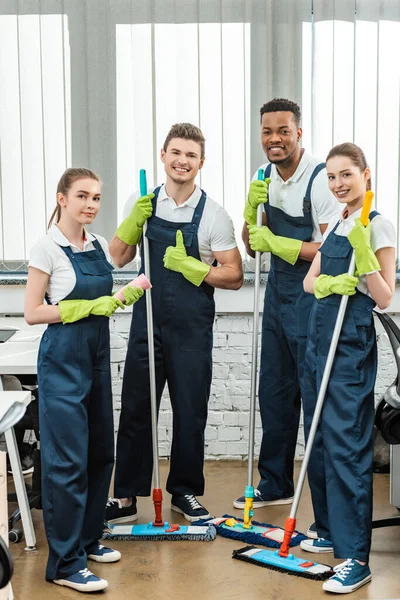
{"type": "Point", "coordinates": [182, 160]}
{"type": "Point", "coordinates": [82, 201]}
{"type": "Point", "coordinates": [347, 181]}
{"type": "Point", "coordinates": [280, 137]}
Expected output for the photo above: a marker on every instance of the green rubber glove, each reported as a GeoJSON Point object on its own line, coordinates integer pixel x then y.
{"type": "Point", "coordinates": [258, 194]}
{"type": "Point", "coordinates": [262, 239]}
{"type": "Point", "coordinates": [132, 294]}
{"type": "Point", "coordinates": [75, 310]}
{"type": "Point", "coordinates": [360, 238]}
{"type": "Point", "coordinates": [176, 259]}
{"type": "Point", "coordinates": [130, 230]}
{"type": "Point", "coordinates": [326, 285]}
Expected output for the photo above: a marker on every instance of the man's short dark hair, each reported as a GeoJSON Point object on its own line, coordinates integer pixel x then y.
{"type": "Point", "coordinates": [282, 104]}
{"type": "Point", "coordinates": [186, 131]}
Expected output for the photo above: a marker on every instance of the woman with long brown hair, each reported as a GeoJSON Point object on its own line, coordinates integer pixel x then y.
{"type": "Point", "coordinates": [340, 469]}
{"type": "Point", "coordinates": [70, 268]}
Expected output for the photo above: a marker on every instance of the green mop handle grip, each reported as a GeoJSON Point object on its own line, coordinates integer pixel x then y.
{"type": "Point", "coordinates": [143, 182]}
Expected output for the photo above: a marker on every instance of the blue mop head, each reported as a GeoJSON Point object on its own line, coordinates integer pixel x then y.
{"type": "Point", "coordinates": [260, 533]}
{"type": "Point", "coordinates": [147, 532]}
{"type": "Point", "coordinates": [292, 565]}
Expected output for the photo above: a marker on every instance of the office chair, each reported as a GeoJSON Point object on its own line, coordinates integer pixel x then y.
{"type": "Point", "coordinates": [387, 415]}
{"type": "Point", "coordinates": [30, 421]}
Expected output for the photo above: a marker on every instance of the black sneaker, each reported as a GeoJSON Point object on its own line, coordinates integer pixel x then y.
{"type": "Point", "coordinates": [189, 507]}
{"type": "Point", "coordinates": [26, 464]}
{"type": "Point", "coordinates": [261, 500]}
{"type": "Point", "coordinates": [116, 513]}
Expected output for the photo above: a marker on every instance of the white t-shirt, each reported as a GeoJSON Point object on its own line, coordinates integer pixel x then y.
{"type": "Point", "coordinates": [288, 195]}
{"type": "Point", "coordinates": [383, 235]}
{"type": "Point", "coordinates": [49, 257]}
{"type": "Point", "coordinates": [216, 232]}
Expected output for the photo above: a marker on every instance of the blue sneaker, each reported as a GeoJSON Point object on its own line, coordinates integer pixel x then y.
{"type": "Point", "coordinates": [261, 500]}
{"type": "Point", "coordinates": [83, 581]}
{"type": "Point", "coordinates": [103, 554]}
{"type": "Point", "coordinates": [312, 532]}
{"type": "Point", "coordinates": [349, 576]}
{"type": "Point", "coordinates": [319, 545]}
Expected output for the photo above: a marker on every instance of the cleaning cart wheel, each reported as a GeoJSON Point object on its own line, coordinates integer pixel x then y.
{"type": "Point", "coordinates": [15, 536]}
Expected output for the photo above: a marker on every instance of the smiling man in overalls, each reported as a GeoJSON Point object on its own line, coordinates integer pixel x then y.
{"type": "Point", "coordinates": [188, 234]}
{"type": "Point", "coordinates": [297, 208]}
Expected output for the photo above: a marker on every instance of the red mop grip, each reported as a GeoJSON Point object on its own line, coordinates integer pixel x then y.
{"type": "Point", "coordinates": [290, 525]}
{"type": "Point", "coordinates": [157, 500]}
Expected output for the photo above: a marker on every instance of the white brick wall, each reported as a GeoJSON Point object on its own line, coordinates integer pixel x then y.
{"type": "Point", "coordinates": [228, 419]}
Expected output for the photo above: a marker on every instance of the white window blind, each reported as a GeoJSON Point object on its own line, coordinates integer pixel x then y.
{"type": "Point", "coordinates": [34, 126]}
{"type": "Point", "coordinates": [99, 84]}
{"type": "Point", "coordinates": [195, 72]}
{"type": "Point", "coordinates": [351, 93]}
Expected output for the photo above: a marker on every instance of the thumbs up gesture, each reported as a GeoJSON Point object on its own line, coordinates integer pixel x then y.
{"type": "Point", "coordinates": [174, 255]}
{"type": "Point", "coordinates": [176, 259]}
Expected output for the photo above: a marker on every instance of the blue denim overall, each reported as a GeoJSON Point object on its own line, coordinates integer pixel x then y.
{"type": "Point", "coordinates": [340, 469]}
{"type": "Point", "coordinates": [183, 316]}
{"type": "Point", "coordinates": [284, 333]}
{"type": "Point", "coordinates": [76, 422]}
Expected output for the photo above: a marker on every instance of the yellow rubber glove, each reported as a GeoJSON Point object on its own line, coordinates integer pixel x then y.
{"type": "Point", "coordinates": [176, 259]}
{"type": "Point", "coordinates": [132, 294]}
{"type": "Point", "coordinates": [360, 238]}
{"type": "Point", "coordinates": [326, 285]}
{"type": "Point", "coordinates": [258, 194]}
{"type": "Point", "coordinates": [130, 230]}
{"type": "Point", "coordinates": [75, 310]}
{"type": "Point", "coordinates": [262, 239]}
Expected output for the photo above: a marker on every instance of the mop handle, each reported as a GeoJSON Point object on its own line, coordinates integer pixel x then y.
{"type": "Point", "coordinates": [328, 367]}
{"type": "Point", "coordinates": [150, 340]}
{"type": "Point", "coordinates": [254, 350]}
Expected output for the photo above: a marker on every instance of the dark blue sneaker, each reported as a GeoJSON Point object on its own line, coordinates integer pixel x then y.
{"type": "Point", "coordinates": [261, 500]}
{"type": "Point", "coordinates": [319, 545]}
{"type": "Point", "coordinates": [104, 555]}
{"type": "Point", "coordinates": [349, 576]}
{"type": "Point", "coordinates": [312, 532]}
{"type": "Point", "coordinates": [83, 581]}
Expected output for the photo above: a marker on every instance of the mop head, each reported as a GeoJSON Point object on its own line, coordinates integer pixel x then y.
{"type": "Point", "coordinates": [259, 533]}
{"type": "Point", "coordinates": [171, 533]}
{"type": "Point", "coordinates": [290, 565]}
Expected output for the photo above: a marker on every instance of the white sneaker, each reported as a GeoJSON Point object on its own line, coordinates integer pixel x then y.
{"type": "Point", "coordinates": [83, 581]}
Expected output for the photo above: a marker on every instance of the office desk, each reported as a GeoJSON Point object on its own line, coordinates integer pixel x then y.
{"type": "Point", "coordinates": [19, 358]}
{"type": "Point", "coordinates": [8, 400]}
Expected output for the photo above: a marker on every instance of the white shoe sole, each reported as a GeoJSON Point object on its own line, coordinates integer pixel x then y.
{"type": "Point", "coordinates": [312, 535]}
{"type": "Point", "coordinates": [127, 519]}
{"type": "Point", "coordinates": [95, 586]}
{"type": "Point", "coordinates": [106, 558]}
{"type": "Point", "coordinates": [188, 517]}
{"type": "Point", "coordinates": [278, 502]}
{"type": "Point", "coordinates": [330, 586]}
{"type": "Point", "coordinates": [315, 550]}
